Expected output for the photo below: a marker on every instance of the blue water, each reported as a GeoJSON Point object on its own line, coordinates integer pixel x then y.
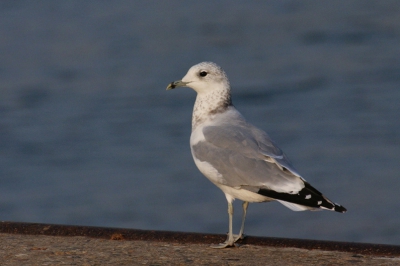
{"type": "Point", "coordinates": [89, 136]}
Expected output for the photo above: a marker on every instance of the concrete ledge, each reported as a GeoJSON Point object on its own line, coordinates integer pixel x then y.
{"type": "Point", "coordinates": [193, 238]}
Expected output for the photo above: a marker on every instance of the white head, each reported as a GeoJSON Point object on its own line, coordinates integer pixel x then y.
{"type": "Point", "coordinates": [212, 87]}
{"type": "Point", "coordinates": [202, 78]}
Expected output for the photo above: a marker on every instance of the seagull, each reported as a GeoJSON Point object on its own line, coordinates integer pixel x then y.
{"type": "Point", "coordinates": [240, 159]}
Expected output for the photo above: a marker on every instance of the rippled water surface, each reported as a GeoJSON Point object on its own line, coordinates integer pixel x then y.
{"type": "Point", "coordinates": [89, 136]}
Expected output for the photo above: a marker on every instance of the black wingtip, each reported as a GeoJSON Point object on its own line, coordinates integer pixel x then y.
{"type": "Point", "coordinates": [308, 196]}
{"type": "Point", "coordinates": [339, 208]}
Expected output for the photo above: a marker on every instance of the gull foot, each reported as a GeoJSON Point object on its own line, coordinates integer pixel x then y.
{"type": "Point", "coordinates": [229, 242]}
{"type": "Point", "coordinates": [237, 237]}
{"type": "Point", "coordinates": [226, 244]}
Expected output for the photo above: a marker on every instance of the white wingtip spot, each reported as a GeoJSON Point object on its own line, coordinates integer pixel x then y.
{"type": "Point", "coordinates": [308, 196]}
{"type": "Point", "coordinates": [319, 202]}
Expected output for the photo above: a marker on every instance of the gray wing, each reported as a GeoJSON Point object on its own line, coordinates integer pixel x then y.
{"type": "Point", "coordinates": [249, 140]}
{"type": "Point", "coordinates": [246, 156]}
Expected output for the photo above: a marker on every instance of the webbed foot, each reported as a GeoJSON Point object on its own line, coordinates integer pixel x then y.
{"type": "Point", "coordinates": [226, 244]}
{"type": "Point", "coordinates": [237, 237]}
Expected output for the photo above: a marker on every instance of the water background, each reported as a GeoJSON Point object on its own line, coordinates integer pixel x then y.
{"type": "Point", "coordinates": [89, 136]}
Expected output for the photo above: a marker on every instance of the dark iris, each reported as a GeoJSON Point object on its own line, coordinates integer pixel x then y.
{"type": "Point", "coordinates": [203, 73]}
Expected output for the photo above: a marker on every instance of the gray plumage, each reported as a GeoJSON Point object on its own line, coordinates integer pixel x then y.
{"type": "Point", "coordinates": [239, 158]}
{"type": "Point", "coordinates": [245, 155]}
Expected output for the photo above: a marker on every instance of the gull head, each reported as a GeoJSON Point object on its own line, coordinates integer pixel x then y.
{"type": "Point", "coordinates": [203, 78]}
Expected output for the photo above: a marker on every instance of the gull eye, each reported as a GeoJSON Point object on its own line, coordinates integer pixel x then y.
{"type": "Point", "coordinates": [203, 73]}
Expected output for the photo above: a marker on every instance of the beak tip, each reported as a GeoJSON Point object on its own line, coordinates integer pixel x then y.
{"type": "Point", "coordinates": [171, 86]}
{"type": "Point", "coordinates": [175, 84]}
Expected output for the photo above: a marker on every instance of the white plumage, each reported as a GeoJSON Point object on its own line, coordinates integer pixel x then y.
{"type": "Point", "coordinates": [239, 158]}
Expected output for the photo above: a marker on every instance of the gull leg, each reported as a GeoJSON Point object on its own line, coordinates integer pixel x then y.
{"type": "Point", "coordinates": [230, 240]}
{"type": "Point", "coordinates": [240, 235]}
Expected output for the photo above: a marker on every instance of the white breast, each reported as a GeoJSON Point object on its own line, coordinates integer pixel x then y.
{"type": "Point", "coordinates": [197, 136]}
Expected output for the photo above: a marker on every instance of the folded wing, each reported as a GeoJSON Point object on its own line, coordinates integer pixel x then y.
{"type": "Point", "coordinates": [247, 158]}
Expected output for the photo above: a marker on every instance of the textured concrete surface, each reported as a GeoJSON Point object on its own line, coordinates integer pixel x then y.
{"type": "Point", "coordinates": [47, 244]}
{"type": "Point", "coordinates": [193, 238]}
{"type": "Point", "coordinates": [58, 250]}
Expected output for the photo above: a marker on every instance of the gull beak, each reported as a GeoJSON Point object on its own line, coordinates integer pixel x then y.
{"type": "Point", "coordinates": [178, 83]}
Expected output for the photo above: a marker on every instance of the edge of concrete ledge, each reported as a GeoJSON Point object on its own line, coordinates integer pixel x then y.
{"type": "Point", "coordinates": [194, 238]}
